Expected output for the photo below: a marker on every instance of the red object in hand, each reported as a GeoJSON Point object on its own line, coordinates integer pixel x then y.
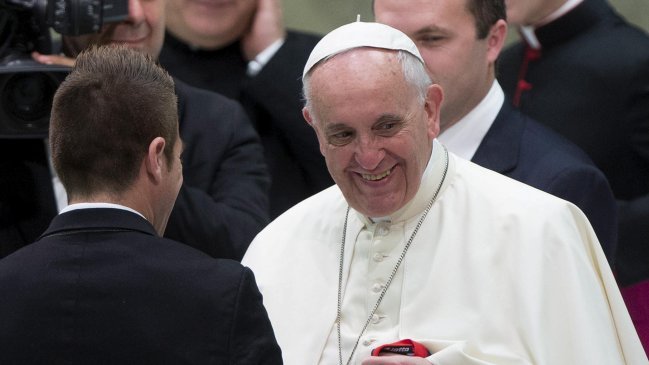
{"type": "Point", "coordinates": [405, 347]}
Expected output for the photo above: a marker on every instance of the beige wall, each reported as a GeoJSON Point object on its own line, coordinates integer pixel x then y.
{"type": "Point", "coordinates": [321, 16]}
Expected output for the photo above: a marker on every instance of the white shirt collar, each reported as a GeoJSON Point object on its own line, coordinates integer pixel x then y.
{"type": "Point", "coordinates": [99, 205]}
{"type": "Point", "coordinates": [464, 137]}
{"type": "Point", "coordinates": [563, 9]}
{"type": "Point", "coordinates": [255, 66]}
{"type": "Point", "coordinates": [527, 31]}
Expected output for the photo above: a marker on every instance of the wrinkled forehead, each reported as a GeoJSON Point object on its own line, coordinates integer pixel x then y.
{"type": "Point", "coordinates": [357, 65]}
{"type": "Point", "coordinates": [361, 83]}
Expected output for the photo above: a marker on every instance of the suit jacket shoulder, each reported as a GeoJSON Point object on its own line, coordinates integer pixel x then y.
{"type": "Point", "coordinates": [223, 202]}
{"type": "Point", "coordinates": [104, 286]}
{"type": "Point", "coordinates": [590, 84]}
{"type": "Point", "coordinates": [524, 150]}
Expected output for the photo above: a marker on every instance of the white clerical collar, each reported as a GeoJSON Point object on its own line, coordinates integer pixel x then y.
{"type": "Point", "coordinates": [464, 137]}
{"type": "Point", "coordinates": [255, 65]}
{"type": "Point", "coordinates": [563, 9]}
{"type": "Point", "coordinates": [98, 205]}
{"type": "Point", "coordinates": [527, 31]}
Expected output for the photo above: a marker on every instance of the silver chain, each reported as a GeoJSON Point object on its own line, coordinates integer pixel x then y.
{"type": "Point", "coordinates": [394, 270]}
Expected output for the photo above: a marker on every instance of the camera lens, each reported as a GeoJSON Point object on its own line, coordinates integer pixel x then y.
{"type": "Point", "coordinates": [27, 100]}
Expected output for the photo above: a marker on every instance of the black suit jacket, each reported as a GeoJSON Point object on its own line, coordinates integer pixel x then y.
{"type": "Point", "coordinates": [591, 84]}
{"type": "Point", "coordinates": [520, 148]}
{"type": "Point", "coordinates": [27, 203]}
{"type": "Point", "coordinates": [273, 100]}
{"type": "Point", "coordinates": [222, 204]}
{"type": "Point", "coordinates": [101, 288]}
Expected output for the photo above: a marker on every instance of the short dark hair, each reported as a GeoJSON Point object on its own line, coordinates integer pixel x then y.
{"type": "Point", "coordinates": [486, 13]}
{"type": "Point", "coordinates": [104, 116]}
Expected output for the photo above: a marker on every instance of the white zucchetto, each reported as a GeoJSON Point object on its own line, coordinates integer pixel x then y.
{"type": "Point", "coordinates": [360, 34]}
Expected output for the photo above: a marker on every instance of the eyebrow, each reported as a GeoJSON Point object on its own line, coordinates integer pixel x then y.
{"type": "Point", "coordinates": [430, 29]}
{"type": "Point", "coordinates": [389, 118]}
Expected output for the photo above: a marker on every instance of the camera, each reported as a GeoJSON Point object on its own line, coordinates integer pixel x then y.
{"type": "Point", "coordinates": [26, 86]}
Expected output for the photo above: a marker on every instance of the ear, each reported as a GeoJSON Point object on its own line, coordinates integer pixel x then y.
{"type": "Point", "coordinates": [496, 40]}
{"type": "Point", "coordinates": [433, 103]}
{"type": "Point", "coordinates": [156, 161]}
{"type": "Point", "coordinates": [307, 116]}
{"type": "Point", "coordinates": [309, 119]}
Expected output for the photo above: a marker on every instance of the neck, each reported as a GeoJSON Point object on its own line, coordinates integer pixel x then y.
{"type": "Point", "coordinates": [96, 198]}
{"type": "Point", "coordinates": [451, 114]}
{"type": "Point", "coordinates": [130, 199]}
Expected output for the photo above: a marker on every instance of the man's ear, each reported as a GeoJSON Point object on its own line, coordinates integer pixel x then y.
{"type": "Point", "coordinates": [433, 103]}
{"type": "Point", "coordinates": [496, 40]}
{"type": "Point", "coordinates": [307, 116]}
{"type": "Point", "coordinates": [156, 161]}
{"type": "Point", "coordinates": [309, 119]}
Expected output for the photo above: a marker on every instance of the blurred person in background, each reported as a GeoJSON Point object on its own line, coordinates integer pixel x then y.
{"type": "Point", "coordinates": [460, 42]}
{"type": "Point", "coordinates": [241, 49]}
{"type": "Point", "coordinates": [583, 70]}
{"type": "Point", "coordinates": [223, 202]}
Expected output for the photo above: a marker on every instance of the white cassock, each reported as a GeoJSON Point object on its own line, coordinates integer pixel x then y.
{"type": "Point", "coordinates": [499, 273]}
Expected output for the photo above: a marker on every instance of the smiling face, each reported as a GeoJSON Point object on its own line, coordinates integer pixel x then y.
{"type": "Point", "coordinates": [210, 23]}
{"type": "Point", "coordinates": [142, 30]}
{"type": "Point", "coordinates": [446, 35]}
{"type": "Point", "coordinates": [374, 131]}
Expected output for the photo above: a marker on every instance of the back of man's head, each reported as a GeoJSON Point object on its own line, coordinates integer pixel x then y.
{"type": "Point", "coordinates": [104, 116]}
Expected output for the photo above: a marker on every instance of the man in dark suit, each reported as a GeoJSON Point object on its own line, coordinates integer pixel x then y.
{"type": "Point", "coordinates": [583, 71]}
{"type": "Point", "coordinates": [460, 42]}
{"type": "Point", "coordinates": [241, 49]}
{"type": "Point", "coordinates": [101, 285]}
{"type": "Point", "coordinates": [222, 204]}
{"type": "Point", "coordinates": [587, 76]}
{"type": "Point", "coordinates": [224, 199]}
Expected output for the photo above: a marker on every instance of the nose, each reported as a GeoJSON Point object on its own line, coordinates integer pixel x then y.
{"type": "Point", "coordinates": [135, 11]}
{"type": "Point", "coordinates": [369, 153]}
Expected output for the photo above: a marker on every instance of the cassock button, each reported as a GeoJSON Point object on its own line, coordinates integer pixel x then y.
{"type": "Point", "coordinates": [378, 257]}
{"type": "Point", "coordinates": [377, 287]}
{"type": "Point", "coordinates": [382, 230]}
{"type": "Point", "coordinates": [368, 342]}
{"type": "Point", "coordinates": [376, 318]}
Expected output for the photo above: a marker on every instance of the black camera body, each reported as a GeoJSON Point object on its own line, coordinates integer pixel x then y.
{"type": "Point", "coordinates": [26, 86]}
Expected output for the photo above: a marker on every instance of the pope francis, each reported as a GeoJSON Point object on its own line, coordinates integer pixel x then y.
{"type": "Point", "coordinates": [414, 243]}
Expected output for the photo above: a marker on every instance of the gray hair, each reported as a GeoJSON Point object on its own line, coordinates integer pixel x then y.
{"type": "Point", "coordinates": [414, 73]}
